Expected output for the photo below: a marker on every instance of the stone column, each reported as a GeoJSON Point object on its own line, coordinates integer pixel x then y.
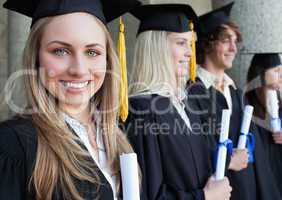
{"type": "Point", "coordinates": [18, 29]}
{"type": "Point", "coordinates": [16, 34]}
{"type": "Point", "coordinates": [260, 22]}
{"type": "Point", "coordinates": [3, 46]}
{"type": "Point", "coordinates": [3, 58]}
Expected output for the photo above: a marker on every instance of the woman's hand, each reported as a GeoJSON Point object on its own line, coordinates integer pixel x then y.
{"type": "Point", "coordinates": [277, 137]}
{"type": "Point", "coordinates": [239, 159]}
{"type": "Point", "coordinates": [217, 190]}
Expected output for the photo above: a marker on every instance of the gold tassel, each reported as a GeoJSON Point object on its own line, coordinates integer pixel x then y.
{"type": "Point", "coordinates": [193, 64]}
{"type": "Point", "coordinates": [123, 98]}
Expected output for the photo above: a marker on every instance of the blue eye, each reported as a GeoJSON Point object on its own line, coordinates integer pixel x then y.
{"type": "Point", "coordinates": [60, 52]}
{"type": "Point", "coordinates": [91, 53]}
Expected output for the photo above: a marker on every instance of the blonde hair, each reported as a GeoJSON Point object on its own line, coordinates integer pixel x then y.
{"type": "Point", "coordinates": [152, 63]}
{"type": "Point", "coordinates": [59, 157]}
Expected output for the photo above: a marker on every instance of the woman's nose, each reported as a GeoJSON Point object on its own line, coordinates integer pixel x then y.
{"type": "Point", "coordinates": [78, 66]}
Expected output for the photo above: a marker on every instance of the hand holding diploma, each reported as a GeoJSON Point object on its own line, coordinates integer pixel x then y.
{"type": "Point", "coordinates": [277, 138]}
{"type": "Point", "coordinates": [239, 160]}
{"type": "Point", "coordinates": [217, 190]}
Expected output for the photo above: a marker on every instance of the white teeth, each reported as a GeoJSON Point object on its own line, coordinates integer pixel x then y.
{"type": "Point", "coordinates": [75, 85]}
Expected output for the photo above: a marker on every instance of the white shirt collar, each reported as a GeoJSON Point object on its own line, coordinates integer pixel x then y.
{"type": "Point", "coordinates": [102, 163]}
{"type": "Point", "coordinates": [210, 79]}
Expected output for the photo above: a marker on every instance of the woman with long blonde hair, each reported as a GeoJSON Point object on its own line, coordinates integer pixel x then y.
{"type": "Point", "coordinates": [172, 154]}
{"type": "Point", "coordinates": [69, 146]}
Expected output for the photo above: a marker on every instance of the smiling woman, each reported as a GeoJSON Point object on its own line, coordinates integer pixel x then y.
{"type": "Point", "coordinates": [74, 65]}
{"type": "Point", "coordinates": [69, 147]}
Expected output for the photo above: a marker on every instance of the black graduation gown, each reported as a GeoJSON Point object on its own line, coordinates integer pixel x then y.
{"type": "Point", "coordinates": [253, 183]}
{"type": "Point", "coordinates": [174, 161]}
{"type": "Point", "coordinates": [274, 155]}
{"type": "Point", "coordinates": [18, 146]}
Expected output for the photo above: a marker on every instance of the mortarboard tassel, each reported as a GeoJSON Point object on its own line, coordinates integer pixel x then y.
{"type": "Point", "coordinates": [193, 64]}
{"type": "Point", "coordinates": [123, 98]}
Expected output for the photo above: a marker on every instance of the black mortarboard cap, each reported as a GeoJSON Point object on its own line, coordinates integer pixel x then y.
{"type": "Point", "coordinates": [105, 10]}
{"type": "Point", "coordinates": [266, 60]}
{"type": "Point", "coordinates": [210, 21]}
{"type": "Point", "coordinates": [165, 17]}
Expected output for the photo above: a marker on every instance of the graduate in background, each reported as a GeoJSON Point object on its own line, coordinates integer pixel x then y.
{"type": "Point", "coordinates": [69, 146]}
{"type": "Point", "coordinates": [213, 91]}
{"type": "Point", "coordinates": [173, 156]}
{"type": "Point", "coordinates": [267, 69]}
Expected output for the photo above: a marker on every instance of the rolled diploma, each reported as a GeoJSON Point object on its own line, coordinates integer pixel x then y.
{"type": "Point", "coordinates": [129, 175]}
{"type": "Point", "coordinates": [247, 118]}
{"type": "Point", "coordinates": [272, 106]}
{"type": "Point", "coordinates": [222, 151]}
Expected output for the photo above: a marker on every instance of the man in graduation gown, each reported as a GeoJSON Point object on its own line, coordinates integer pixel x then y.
{"type": "Point", "coordinates": [214, 91]}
